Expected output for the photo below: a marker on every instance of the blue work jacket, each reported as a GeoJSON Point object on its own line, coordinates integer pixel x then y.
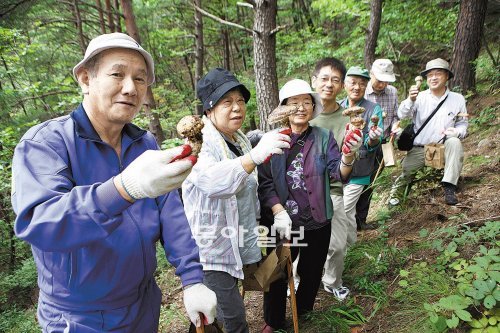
{"type": "Point", "coordinates": [93, 249]}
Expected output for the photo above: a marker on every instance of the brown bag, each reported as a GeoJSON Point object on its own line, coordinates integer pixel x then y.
{"type": "Point", "coordinates": [272, 267]}
{"type": "Point", "coordinates": [388, 153]}
{"type": "Point", "coordinates": [434, 155]}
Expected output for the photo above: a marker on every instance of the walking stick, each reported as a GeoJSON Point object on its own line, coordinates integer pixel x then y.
{"type": "Point", "coordinates": [201, 329]}
{"type": "Point", "coordinates": [293, 300]}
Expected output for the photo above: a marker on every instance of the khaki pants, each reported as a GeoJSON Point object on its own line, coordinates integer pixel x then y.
{"type": "Point", "coordinates": [415, 160]}
{"type": "Point", "coordinates": [352, 192]}
{"type": "Point", "coordinates": [334, 264]}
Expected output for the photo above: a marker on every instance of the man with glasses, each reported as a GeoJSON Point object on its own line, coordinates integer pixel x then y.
{"type": "Point", "coordinates": [449, 123]}
{"type": "Point", "coordinates": [328, 81]}
{"type": "Point", "coordinates": [356, 82]}
{"type": "Point", "coordinates": [381, 92]}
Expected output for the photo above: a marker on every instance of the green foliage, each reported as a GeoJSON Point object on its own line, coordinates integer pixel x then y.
{"type": "Point", "coordinates": [17, 320]}
{"type": "Point", "coordinates": [476, 279]}
{"type": "Point", "coordinates": [17, 287]}
{"type": "Point", "coordinates": [486, 117]}
{"type": "Point", "coordinates": [337, 318]}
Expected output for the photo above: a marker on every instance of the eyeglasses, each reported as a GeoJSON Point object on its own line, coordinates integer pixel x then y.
{"type": "Point", "coordinates": [334, 80]}
{"type": "Point", "coordinates": [360, 84]}
{"type": "Point", "coordinates": [305, 105]}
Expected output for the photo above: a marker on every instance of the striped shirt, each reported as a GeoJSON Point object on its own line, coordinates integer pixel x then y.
{"type": "Point", "coordinates": [388, 101]}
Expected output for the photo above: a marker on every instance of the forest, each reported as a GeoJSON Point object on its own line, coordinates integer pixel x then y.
{"type": "Point", "coordinates": [415, 272]}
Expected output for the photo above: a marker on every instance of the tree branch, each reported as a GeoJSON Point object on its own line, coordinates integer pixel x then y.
{"type": "Point", "coordinates": [248, 4]}
{"type": "Point", "coordinates": [218, 19]}
{"type": "Point", "coordinates": [5, 11]}
{"type": "Point", "coordinates": [50, 93]}
{"type": "Point", "coordinates": [278, 29]}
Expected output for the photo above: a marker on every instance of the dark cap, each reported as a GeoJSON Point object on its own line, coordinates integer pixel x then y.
{"type": "Point", "coordinates": [213, 86]}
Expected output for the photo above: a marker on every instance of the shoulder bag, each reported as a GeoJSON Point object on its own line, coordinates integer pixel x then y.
{"type": "Point", "coordinates": [405, 141]}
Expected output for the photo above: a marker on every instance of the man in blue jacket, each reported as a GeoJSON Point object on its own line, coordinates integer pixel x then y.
{"type": "Point", "coordinates": [93, 194]}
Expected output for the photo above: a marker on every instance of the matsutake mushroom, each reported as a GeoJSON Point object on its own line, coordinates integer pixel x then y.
{"type": "Point", "coordinates": [189, 128]}
{"type": "Point", "coordinates": [281, 115]}
{"type": "Point", "coordinates": [354, 114]}
{"type": "Point", "coordinates": [418, 81]}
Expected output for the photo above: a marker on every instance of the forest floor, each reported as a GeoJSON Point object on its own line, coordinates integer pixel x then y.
{"type": "Point", "coordinates": [424, 209]}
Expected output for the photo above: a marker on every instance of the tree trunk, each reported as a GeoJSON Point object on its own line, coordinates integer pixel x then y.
{"type": "Point", "coordinates": [117, 15]}
{"type": "Point", "coordinates": [227, 52]}
{"type": "Point", "coordinates": [470, 28]}
{"type": "Point", "coordinates": [199, 52]}
{"type": "Point", "coordinates": [133, 31]}
{"type": "Point", "coordinates": [305, 11]}
{"type": "Point", "coordinates": [101, 16]}
{"type": "Point", "coordinates": [264, 50]}
{"type": "Point", "coordinates": [79, 28]}
{"type": "Point", "coordinates": [372, 33]}
{"type": "Point", "coordinates": [109, 14]}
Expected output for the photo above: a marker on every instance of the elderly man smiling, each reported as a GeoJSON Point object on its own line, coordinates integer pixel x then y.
{"type": "Point", "coordinates": [356, 82]}
{"type": "Point", "coordinates": [449, 123]}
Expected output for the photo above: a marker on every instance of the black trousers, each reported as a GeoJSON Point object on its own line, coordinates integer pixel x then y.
{"type": "Point", "coordinates": [310, 270]}
{"type": "Point", "coordinates": [363, 204]}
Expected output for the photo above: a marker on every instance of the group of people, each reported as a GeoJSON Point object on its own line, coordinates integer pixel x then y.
{"type": "Point", "coordinates": [93, 193]}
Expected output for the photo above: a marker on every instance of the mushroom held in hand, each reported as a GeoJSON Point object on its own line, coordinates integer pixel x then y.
{"type": "Point", "coordinates": [374, 120]}
{"type": "Point", "coordinates": [418, 81]}
{"type": "Point", "coordinates": [280, 115]}
{"type": "Point", "coordinates": [189, 127]}
{"type": "Point", "coordinates": [355, 119]}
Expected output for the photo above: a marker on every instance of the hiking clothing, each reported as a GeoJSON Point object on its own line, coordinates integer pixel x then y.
{"type": "Point", "coordinates": [334, 262]}
{"type": "Point", "coordinates": [230, 306]}
{"type": "Point", "coordinates": [309, 268]}
{"type": "Point", "coordinates": [94, 250]}
{"type": "Point", "coordinates": [220, 200]}
{"type": "Point", "coordinates": [450, 114]}
{"type": "Point", "coordinates": [334, 122]}
{"type": "Point", "coordinates": [388, 101]}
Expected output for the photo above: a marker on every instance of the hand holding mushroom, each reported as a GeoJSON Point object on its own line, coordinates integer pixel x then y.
{"type": "Point", "coordinates": [415, 88]}
{"type": "Point", "coordinates": [353, 136]}
{"type": "Point", "coordinates": [189, 128]}
{"type": "Point", "coordinates": [375, 131]}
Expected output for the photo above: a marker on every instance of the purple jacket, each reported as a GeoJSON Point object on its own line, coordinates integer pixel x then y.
{"type": "Point", "coordinates": [93, 249]}
{"type": "Point", "coordinates": [321, 163]}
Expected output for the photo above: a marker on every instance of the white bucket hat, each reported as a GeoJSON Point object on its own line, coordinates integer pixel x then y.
{"type": "Point", "coordinates": [383, 70]}
{"type": "Point", "coordinates": [298, 87]}
{"type": "Point", "coordinates": [113, 41]}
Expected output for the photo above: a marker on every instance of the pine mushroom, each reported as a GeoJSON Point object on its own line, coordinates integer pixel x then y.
{"type": "Point", "coordinates": [189, 128]}
{"type": "Point", "coordinates": [354, 114]}
{"type": "Point", "coordinates": [418, 81]}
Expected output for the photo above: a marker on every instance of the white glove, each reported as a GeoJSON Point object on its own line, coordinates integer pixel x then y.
{"type": "Point", "coordinates": [451, 132]}
{"type": "Point", "coordinates": [198, 298]}
{"type": "Point", "coordinates": [396, 130]}
{"type": "Point", "coordinates": [153, 173]}
{"type": "Point", "coordinates": [375, 133]}
{"type": "Point", "coordinates": [271, 143]}
{"type": "Point", "coordinates": [283, 224]}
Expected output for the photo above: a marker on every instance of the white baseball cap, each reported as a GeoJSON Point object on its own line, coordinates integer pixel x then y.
{"type": "Point", "coordinates": [112, 41]}
{"type": "Point", "coordinates": [383, 70]}
{"type": "Point", "coordinates": [297, 87]}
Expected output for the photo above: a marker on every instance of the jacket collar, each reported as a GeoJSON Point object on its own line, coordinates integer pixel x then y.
{"type": "Point", "coordinates": [85, 129]}
{"type": "Point", "coordinates": [369, 90]}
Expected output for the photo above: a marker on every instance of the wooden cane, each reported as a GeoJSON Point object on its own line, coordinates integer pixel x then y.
{"type": "Point", "coordinates": [201, 329]}
{"type": "Point", "coordinates": [293, 300]}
